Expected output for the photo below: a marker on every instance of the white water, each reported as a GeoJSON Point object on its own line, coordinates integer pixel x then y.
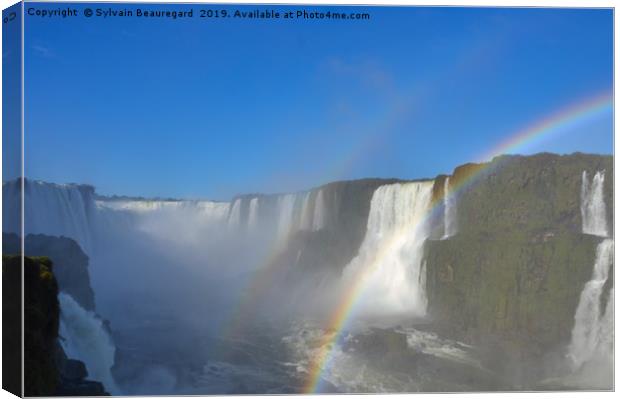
{"type": "Point", "coordinates": [286, 209]}
{"type": "Point", "coordinates": [86, 339]}
{"type": "Point", "coordinates": [318, 218]}
{"type": "Point", "coordinates": [73, 211]}
{"type": "Point", "coordinates": [234, 218]}
{"type": "Point", "coordinates": [351, 370]}
{"type": "Point", "coordinates": [449, 211]}
{"type": "Point", "coordinates": [158, 219]}
{"type": "Point", "coordinates": [592, 331]}
{"type": "Point", "coordinates": [305, 222]}
{"type": "Point", "coordinates": [592, 335]}
{"type": "Point", "coordinates": [211, 210]}
{"type": "Point", "coordinates": [253, 214]}
{"type": "Point", "coordinates": [431, 344]}
{"type": "Point", "coordinates": [593, 213]}
{"type": "Point", "coordinates": [389, 262]}
{"type": "Point", "coordinates": [55, 209]}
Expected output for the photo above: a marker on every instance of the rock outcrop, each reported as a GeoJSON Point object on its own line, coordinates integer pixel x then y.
{"type": "Point", "coordinates": [511, 279]}
{"type": "Point", "coordinates": [70, 263]}
{"type": "Point", "coordinates": [47, 371]}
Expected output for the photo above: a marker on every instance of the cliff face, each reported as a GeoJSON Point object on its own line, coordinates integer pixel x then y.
{"type": "Point", "coordinates": [11, 324]}
{"type": "Point", "coordinates": [511, 278]}
{"type": "Point", "coordinates": [344, 208]}
{"type": "Point", "coordinates": [528, 193]}
{"type": "Point", "coordinates": [70, 263]}
{"type": "Point", "coordinates": [347, 205]}
{"type": "Point", "coordinates": [47, 370]}
{"type": "Point", "coordinates": [41, 318]}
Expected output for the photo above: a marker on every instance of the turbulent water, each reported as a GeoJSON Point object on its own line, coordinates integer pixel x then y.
{"type": "Point", "coordinates": [389, 262]}
{"type": "Point", "coordinates": [199, 255]}
{"type": "Point", "coordinates": [84, 338]}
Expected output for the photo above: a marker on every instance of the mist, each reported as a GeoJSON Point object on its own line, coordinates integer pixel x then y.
{"type": "Point", "coordinates": [205, 297]}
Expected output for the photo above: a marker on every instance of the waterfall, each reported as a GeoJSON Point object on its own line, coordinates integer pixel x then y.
{"type": "Point", "coordinates": [389, 261]}
{"type": "Point", "coordinates": [54, 209]}
{"type": "Point", "coordinates": [159, 218]}
{"type": "Point", "coordinates": [449, 211]}
{"type": "Point", "coordinates": [234, 218]}
{"type": "Point", "coordinates": [86, 339]}
{"type": "Point", "coordinates": [253, 214]}
{"type": "Point", "coordinates": [305, 222]}
{"type": "Point", "coordinates": [593, 213]}
{"type": "Point", "coordinates": [286, 212]}
{"type": "Point", "coordinates": [208, 211]}
{"type": "Point", "coordinates": [318, 219]}
{"type": "Point", "coordinates": [204, 211]}
{"type": "Point", "coordinates": [591, 335]}
{"type": "Point", "coordinates": [72, 211]}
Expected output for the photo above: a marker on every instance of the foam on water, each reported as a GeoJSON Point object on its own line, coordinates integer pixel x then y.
{"type": "Point", "coordinates": [85, 338]}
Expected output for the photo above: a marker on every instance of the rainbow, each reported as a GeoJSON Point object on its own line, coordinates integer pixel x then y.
{"type": "Point", "coordinates": [561, 121]}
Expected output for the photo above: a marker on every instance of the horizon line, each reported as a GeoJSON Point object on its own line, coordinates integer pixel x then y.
{"type": "Point", "coordinates": [118, 197]}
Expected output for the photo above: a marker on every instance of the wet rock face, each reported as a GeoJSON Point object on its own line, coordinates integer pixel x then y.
{"type": "Point", "coordinates": [506, 284]}
{"type": "Point", "coordinates": [512, 276]}
{"type": "Point", "coordinates": [528, 193]}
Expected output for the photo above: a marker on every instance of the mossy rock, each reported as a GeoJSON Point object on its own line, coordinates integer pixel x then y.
{"type": "Point", "coordinates": [41, 318]}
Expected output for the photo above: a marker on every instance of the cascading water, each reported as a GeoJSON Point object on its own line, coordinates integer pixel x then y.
{"type": "Point", "coordinates": [158, 219]}
{"type": "Point", "coordinates": [593, 213]}
{"type": "Point", "coordinates": [234, 218]}
{"type": "Point", "coordinates": [253, 214]}
{"type": "Point", "coordinates": [286, 213]}
{"type": "Point", "coordinates": [592, 331]}
{"type": "Point", "coordinates": [54, 209]}
{"type": "Point", "coordinates": [305, 222]}
{"type": "Point", "coordinates": [210, 210]}
{"type": "Point", "coordinates": [389, 261]}
{"type": "Point", "coordinates": [85, 339]}
{"type": "Point", "coordinates": [449, 211]}
{"type": "Point", "coordinates": [318, 217]}
{"type": "Point", "coordinates": [591, 337]}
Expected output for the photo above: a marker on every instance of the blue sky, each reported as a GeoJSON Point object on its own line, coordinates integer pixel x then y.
{"type": "Point", "coordinates": [212, 108]}
{"type": "Point", "coordinates": [11, 98]}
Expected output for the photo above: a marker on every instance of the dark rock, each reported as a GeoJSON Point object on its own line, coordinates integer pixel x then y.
{"type": "Point", "coordinates": [70, 263]}
{"type": "Point", "coordinates": [11, 325]}
{"type": "Point", "coordinates": [80, 388]}
{"type": "Point", "coordinates": [47, 370]}
{"type": "Point", "coordinates": [41, 318]}
{"type": "Point", "coordinates": [74, 370]}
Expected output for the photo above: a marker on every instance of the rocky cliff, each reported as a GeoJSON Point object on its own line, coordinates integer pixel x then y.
{"type": "Point", "coordinates": [527, 193]}
{"type": "Point", "coordinates": [47, 371]}
{"type": "Point", "coordinates": [511, 279]}
{"type": "Point", "coordinates": [70, 263]}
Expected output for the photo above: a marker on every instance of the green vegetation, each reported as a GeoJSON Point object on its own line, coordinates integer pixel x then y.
{"type": "Point", "coordinates": [511, 279]}
{"type": "Point", "coordinates": [41, 318]}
